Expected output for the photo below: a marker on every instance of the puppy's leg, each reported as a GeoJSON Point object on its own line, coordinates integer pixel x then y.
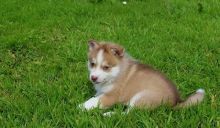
{"type": "Point", "coordinates": [101, 101]}
{"type": "Point", "coordinates": [91, 103]}
{"type": "Point", "coordinates": [107, 100]}
{"type": "Point", "coordinates": [145, 99]}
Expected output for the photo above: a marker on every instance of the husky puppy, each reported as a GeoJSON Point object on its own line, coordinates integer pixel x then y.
{"type": "Point", "coordinates": [118, 78]}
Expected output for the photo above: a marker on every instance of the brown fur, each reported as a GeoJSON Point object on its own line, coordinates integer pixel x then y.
{"type": "Point", "coordinates": [134, 78]}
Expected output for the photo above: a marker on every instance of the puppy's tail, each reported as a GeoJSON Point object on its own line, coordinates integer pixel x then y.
{"type": "Point", "coordinates": [192, 100]}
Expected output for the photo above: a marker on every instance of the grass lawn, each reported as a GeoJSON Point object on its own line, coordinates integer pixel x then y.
{"type": "Point", "coordinates": [43, 56]}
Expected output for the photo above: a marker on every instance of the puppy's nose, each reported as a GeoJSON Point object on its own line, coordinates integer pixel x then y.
{"type": "Point", "coordinates": [94, 78]}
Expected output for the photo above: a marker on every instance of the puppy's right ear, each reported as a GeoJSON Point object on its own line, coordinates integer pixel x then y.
{"type": "Point", "coordinates": [92, 44]}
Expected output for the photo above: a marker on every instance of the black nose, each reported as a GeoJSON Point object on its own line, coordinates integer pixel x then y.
{"type": "Point", "coordinates": [94, 78]}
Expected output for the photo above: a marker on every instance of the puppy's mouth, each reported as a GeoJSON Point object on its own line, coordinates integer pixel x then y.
{"type": "Point", "coordinates": [104, 81]}
{"type": "Point", "coordinates": [97, 82]}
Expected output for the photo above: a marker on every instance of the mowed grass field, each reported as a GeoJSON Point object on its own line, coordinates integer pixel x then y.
{"type": "Point", "coordinates": [43, 59]}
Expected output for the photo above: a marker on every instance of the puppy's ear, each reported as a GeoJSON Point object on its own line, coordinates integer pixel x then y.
{"type": "Point", "coordinates": [117, 50]}
{"type": "Point", "coordinates": [92, 44]}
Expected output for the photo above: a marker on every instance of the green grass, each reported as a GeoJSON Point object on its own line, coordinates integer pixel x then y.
{"type": "Point", "coordinates": [43, 74]}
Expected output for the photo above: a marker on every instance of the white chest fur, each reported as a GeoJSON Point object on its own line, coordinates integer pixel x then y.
{"type": "Point", "coordinates": [100, 89]}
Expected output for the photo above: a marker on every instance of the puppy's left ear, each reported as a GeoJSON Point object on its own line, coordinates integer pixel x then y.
{"type": "Point", "coordinates": [92, 44]}
{"type": "Point", "coordinates": [117, 50]}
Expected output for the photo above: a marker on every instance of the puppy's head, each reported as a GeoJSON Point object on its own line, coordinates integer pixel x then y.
{"type": "Point", "coordinates": [103, 61]}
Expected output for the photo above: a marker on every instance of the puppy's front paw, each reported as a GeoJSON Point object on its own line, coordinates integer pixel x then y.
{"type": "Point", "coordinates": [90, 104]}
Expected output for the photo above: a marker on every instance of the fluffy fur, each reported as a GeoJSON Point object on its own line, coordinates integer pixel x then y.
{"type": "Point", "coordinates": [119, 79]}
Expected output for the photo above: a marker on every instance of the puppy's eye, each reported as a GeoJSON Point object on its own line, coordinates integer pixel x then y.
{"type": "Point", "coordinates": [106, 68]}
{"type": "Point", "coordinates": [92, 64]}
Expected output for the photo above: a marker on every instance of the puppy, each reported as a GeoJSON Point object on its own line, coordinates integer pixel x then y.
{"type": "Point", "coordinates": [118, 78]}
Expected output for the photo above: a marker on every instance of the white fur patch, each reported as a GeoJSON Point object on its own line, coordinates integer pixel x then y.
{"type": "Point", "coordinates": [91, 103]}
{"type": "Point", "coordinates": [114, 71]}
{"type": "Point", "coordinates": [100, 58]}
{"type": "Point", "coordinates": [98, 72]}
{"type": "Point", "coordinates": [100, 89]}
{"type": "Point", "coordinates": [200, 91]}
{"type": "Point", "coordinates": [136, 97]}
